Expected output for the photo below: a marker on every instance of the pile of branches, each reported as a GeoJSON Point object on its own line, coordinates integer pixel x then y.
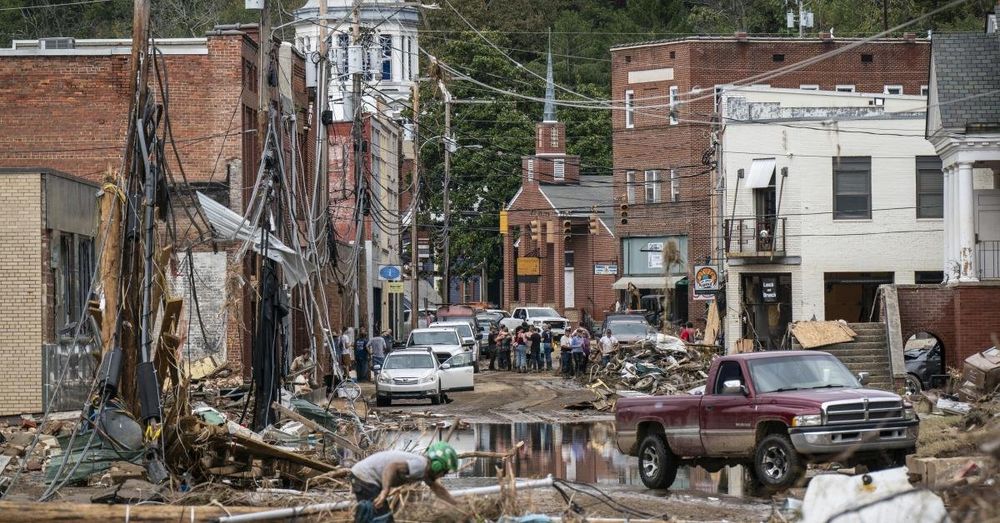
{"type": "Point", "coordinates": [659, 365]}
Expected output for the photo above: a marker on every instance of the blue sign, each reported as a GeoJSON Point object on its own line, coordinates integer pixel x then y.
{"type": "Point", "coordinates": [390, 272]}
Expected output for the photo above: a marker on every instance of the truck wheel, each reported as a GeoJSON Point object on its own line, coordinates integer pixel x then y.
{"type": "Point", "coordinates": [657, 465]}
{"type": "Point", "coordinates": [776, 463]}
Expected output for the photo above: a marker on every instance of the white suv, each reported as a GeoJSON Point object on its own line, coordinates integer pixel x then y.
{"type": "Point", "coordinates": [416, 374]}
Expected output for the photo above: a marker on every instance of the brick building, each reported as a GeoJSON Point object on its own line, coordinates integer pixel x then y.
{"type": "Point", "coordinates": [663, 158]}
{"type": "Point", "coordinates": [558, 217]}
{"type": "Point", "coordinates": [48, 222]}
{"type": "Point", "coordinates": [64, 107]}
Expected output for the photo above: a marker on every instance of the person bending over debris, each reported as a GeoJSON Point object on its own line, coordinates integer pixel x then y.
{"type": "Point", "coordinates": [374, 476]}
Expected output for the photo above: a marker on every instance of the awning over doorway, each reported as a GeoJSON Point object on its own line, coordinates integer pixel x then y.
{"type": "Point", "coordinates": [647, 282]}
{"type": "Point", "coordinates": [760, 173]}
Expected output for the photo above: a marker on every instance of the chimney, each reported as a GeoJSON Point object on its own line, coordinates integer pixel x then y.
{"type": "Point", "coordinates": [910, 37]}
{"type": "Point", "coordinates": [741, 36]}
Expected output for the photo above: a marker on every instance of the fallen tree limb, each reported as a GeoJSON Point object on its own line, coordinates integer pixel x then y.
{"type": "Point", "coordinates": [97, 513]}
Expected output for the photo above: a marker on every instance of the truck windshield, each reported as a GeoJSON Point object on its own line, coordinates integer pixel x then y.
{"type": "Point", "coordinates": [434, 338]}
{"type": "Point", "coordinates": [628, 328]}
{"type": "Point", "coordinates": [544, 311]}
{"type": "Point", "coordinates": [800, 372]}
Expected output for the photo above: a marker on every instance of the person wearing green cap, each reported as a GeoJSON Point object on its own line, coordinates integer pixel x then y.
{"type": "Point", "coordinates": [374, 476]}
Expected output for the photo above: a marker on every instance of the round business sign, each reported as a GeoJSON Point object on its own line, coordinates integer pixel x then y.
{"type": "Point", "coordinates": [390, 272]}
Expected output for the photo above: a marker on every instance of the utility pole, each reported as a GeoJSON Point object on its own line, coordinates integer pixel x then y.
{"type": "Point", "coordinates": [357, 69]}
{"type": "Point", "coordinates": [415, 204]}
{"type": "Point", "coordinates": [885, 15]}
{"type": "Point", "coordinates": [801, 25]}
{"type": "Point", "coordinates": [446, 295]}
{"type": "Point", "coordinates": [320, 193]}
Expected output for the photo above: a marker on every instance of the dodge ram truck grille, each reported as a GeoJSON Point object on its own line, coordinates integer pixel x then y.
{"type": "Point", "coordinates": [862, 411]}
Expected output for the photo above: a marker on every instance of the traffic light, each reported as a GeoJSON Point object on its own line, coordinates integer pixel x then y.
{"type": "Point", "coordinates": [594, 225]}
{"type": "Point", "coordinates": [567, 229]}
{"type": "Point", "coordinates": [623, 212]}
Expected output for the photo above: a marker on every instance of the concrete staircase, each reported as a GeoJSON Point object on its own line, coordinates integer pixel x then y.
{"type": "Point", "coordinates": [869, 352]}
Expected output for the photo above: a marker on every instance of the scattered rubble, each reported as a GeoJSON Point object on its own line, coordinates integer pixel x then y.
{"type": "Point", "coordinates": [660, 365]}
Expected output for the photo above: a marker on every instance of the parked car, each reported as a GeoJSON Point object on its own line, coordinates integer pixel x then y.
{"type": "Point", "coordinates": [629, 331]}
{"type": "Point", "coordinates": [443, 341]}
{"type": "Point", "coordinates": [468, 334]}
{"type": "Point", "coordinates": [536, 316]}
{"type": "Point", "coordinates": [923, 367]}
{"type": "Point", "coordinates": [494, 314]}
{"type": "Point", "coordinates": [774, 411]}
{"type": "Point", "coordinates": [416, 374]}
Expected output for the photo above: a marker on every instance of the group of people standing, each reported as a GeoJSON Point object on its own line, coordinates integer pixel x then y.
{"type": "Point", "coordinates": [361, 352]}
{"type": "Point", "coordinates": [529, 349]}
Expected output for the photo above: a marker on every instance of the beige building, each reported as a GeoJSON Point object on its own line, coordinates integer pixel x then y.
{"type": "Point", "coordinates": [48, 222]}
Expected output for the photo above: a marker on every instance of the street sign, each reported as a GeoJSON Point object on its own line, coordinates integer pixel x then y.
{"type": "Point", "coordinates": [605, 269]}
{"type": "Point", "coordinates": [389, 272]}
{"type": "Point", "coordinates": [528, 266]}
{"type": "Point", "coordinates": [706, 282]}
{"type": "Point", "coordinates": [395, 287]}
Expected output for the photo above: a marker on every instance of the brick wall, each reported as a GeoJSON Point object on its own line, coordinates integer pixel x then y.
{"type": "Point", "coordinates": [210, 278]}
{"type": "Point", "coordinates": [698, 65]}
{"type": "Point", "coordinates": [963, 317]}
{"type": "Point", "coordinates": [22, 302]}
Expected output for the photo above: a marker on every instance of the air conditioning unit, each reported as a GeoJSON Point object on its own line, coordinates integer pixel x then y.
{"type": "Point", "coordinates": [57, 43]}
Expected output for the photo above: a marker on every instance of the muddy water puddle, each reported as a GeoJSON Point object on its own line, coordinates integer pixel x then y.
{"type": "Point", "coordinates": [581, 452]}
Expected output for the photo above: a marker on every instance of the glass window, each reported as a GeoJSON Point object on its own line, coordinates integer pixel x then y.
{"type": "Point", "coordinates": [673, 105]}
{"type": "Point", "coordinates": [408, 361]}
{"type": "Point", "coordinates": [809, 87]}
{"type": "Point", "coordinates": [728, 371]}
{"type": "Point", "coordinates": [629, 109]}
{"type": "Point", "coordinates": [893, 89]}
{"type": "Point", "coordinates": [800, 372]}
{"type": "Point", "coordinates": [542, 311]}
{"type": "Point", "coordinates": [845, 88]}
{"type": "Point", "coordinates": [852, 189]}
{"type": "Point", "coordinates": [385, 44]}
{"type": "Point", "coordinates": [652, 186]}
{"type": "Point", "coordinates": [434, 338]}
{"type": "Point", "coordinates": [531, 169]}
{"type": "Point", "coordinates": [630, 186]}
{"type": "Point", "coordinates": [923, 90]}
{"type": "Point", "coordinates": [460, 360]}
{"type": "Point", "coordinates": [559, 169]}
{"type": "Point", "coordinates": [930, 187]}
{"type": "Point", "coordinates": [675, 186]}
{"type": "Point", "coordinates": [554, 136]}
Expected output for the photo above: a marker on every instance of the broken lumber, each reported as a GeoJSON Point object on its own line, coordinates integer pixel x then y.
{"type": "Point", "coordinates": [96, 513]}
{"type": "Point", "coordinates": [291, 414]}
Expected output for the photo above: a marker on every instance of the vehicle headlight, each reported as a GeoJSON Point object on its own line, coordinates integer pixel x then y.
{"type": "Point", "coordinates": [428, 378]}
{"type": "Point", "coordinates": [807, 420]}
{"type": "Point", "coordinates": [909, 413]}
{"type": "Point", "coordinates": [384, 378]}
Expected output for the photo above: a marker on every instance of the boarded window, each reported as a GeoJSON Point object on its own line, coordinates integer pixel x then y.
{"type": "Point", "coordinates": [852, 187]}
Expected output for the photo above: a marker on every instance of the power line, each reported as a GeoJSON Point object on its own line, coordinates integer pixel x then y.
{"type": "Point", "coordinates": [46, 6]}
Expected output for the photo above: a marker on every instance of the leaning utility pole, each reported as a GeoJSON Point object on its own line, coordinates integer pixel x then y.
{"type": "Point", "coordinates": [415, 206]}
{"type": "Point", "coordinates": [446, 270]}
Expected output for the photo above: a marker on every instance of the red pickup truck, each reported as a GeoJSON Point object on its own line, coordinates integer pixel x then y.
{"type": "Point", "coordinates": [772, 411]}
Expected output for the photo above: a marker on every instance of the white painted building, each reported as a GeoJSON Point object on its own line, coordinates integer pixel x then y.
{"type": "Point", "coordinates": [391, 51]}
{"type": "Point", "coordinates": [827, 196]}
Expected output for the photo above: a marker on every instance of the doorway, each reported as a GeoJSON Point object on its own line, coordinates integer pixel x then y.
{"type": "Point", "coordinates": [766, 308]}
{"type": "Point", "coordinates": [851, 296]}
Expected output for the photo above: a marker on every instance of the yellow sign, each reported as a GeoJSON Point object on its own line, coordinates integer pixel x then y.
{"type": "Point", "coordinates": [503, 222]}
{"type": "Point", "coordinates": [395, 287]}
{"type": "Point", "coordinates": [527, 266]}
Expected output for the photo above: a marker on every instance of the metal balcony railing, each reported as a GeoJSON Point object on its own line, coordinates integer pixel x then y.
{"type": "Point", "coordinates": [756, 236]}
{"type": "Point", "coordinates": [988, 253]}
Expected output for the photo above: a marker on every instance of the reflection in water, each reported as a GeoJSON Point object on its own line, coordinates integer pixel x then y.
{"type": "Point", "coordinates": [582, 452]}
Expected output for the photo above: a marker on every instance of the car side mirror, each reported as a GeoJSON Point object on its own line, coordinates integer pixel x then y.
{"type": "Point", "coordinates": [863, 378]}
{"type": "Point", "coordinates": [733, 387]}
{"type": "Point", "coordinates": [377, 367]}
{"type": "Point", "coordinates": [445, 366]}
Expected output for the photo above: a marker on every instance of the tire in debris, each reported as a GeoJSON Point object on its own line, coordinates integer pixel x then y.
{"type": "Point", "coordinates": [437, 398]}
{"type": "Point", "coordinates": [776, 463]}
{"type": "Point", "coordinates": [657, 464]}
{"type": "Point", "coordinates": [913, 385]}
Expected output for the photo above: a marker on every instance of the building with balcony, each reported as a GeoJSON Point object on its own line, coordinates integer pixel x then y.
{"type": "Point", "coordinates": [666, 94]}
{"type": "Point", "coordinates": [828, 195]}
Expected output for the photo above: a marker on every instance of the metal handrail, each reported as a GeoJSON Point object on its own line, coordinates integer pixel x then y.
{"type": "Point", "coordinates": [768, 235]}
